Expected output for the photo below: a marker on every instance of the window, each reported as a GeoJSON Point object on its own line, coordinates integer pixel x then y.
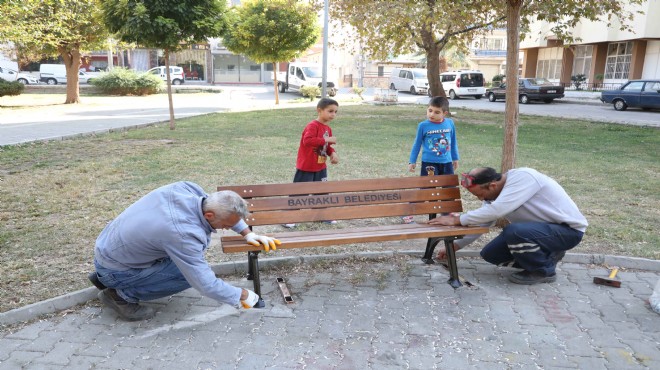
{"type": "Point", "coordinates": [582, 60]}
{"type": "Point", "coordinates": [485, 43]}
{"type": "Point", "coordinates": [634, 86]}
{"type": "Point", "coordinates": [299, 74]}
{"type": "Point", "coordinates": [619, 55]}
{"type": "Point", "coordinates": [549, 63]}
{"type": "Point", "coordinates": [652, 86]}
{"type": "Point", "coordinates": [381, 71]}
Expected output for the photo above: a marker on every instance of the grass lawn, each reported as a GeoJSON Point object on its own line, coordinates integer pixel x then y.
{"type": "Point", "coordinates": [56, 197]}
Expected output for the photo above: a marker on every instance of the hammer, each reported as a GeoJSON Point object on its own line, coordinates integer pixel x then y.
{"type": "Point", "coordinates": [609, 281]}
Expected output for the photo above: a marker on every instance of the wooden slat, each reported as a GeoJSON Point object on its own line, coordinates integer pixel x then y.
{"type": "Point", "coordinates": [359, 235]}
{"type": "Point", "coordinates": [352, 199]}
{"type": "Point", "coordinates": [356, 212]}
{"type": "Point", "coordinates": [320, 187]}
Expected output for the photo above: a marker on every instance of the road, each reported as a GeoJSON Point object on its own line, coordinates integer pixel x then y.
{"type": "Point", "coordinates": [21, 124]}
{"type": "Point", "coordinates": [575, 106]}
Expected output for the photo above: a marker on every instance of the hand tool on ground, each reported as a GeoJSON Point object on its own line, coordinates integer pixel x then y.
{"type": "Point", "coordinates": [284, 289]}
{"type": "Point", "coordinates": [610, 280]}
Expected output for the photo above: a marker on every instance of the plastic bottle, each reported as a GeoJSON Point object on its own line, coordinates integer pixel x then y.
{"type": "Point", "coordinates": [655, 298]}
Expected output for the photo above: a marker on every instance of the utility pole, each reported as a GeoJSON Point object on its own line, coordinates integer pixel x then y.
{"type": "Point", "coordinates": [324, 79]}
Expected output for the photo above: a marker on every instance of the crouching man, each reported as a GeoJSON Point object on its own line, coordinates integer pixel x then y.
{"type": "Point", "coordinates": [155, 248]}
{"type": "Point", "coordinates": [544, 221]}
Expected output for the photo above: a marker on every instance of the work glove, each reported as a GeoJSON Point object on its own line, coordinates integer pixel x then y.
{"type": "Point", "coordinates": [251, 299]}
{"type": "Point", "coordinates": [257, 240]}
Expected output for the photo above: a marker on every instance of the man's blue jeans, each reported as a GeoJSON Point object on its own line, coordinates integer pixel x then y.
{"type": "Point", "coordinates": [532, 246]}
{"type": "Point", "coordinates": [162, 279]}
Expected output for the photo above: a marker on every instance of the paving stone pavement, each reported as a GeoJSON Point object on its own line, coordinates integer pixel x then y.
{"type": "Point", "coordinates": [387, 313]}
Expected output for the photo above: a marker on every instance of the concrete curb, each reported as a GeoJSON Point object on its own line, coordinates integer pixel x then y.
{"type": "Point", "coordinates": [72, 299]}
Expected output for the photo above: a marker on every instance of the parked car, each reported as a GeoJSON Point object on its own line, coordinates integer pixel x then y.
{"type": "Point", "coordinates": [529, 89]}
{"type": "Point", "coordinates": [413, 80]}
{"type": "Point", "coordinates": [27, 79]}
{"type": "Point", "coordinates": [301, 74]}
{"type": "Point", "coordinates": [643, 94]}
{"type": "Point", "coordinates": [176, 74]}
{"type": "Point", "coordinates": [458, 84]}
{"type": "Point", "coordinates": [53, 74]}
{"type": "Point", "coordinates": [8, 74]}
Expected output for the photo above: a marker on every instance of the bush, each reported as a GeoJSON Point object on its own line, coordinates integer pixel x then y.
{"type": "Point", "coordinates": [578, 80]}
{"type": "Point", "coordinates": [358, 91]}
{"type": "Point", "coordinates": [121, 81]}
{"type": "Point", "coordinates": [497, 79]}
{"type": "Point", "coordinates": [310, 91]}
{"type": "Point", "coordinates": [10, 88]}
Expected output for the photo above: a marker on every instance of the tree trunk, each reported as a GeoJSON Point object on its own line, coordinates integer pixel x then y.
{"type": "Point", "coordinates": [432, 64]}
{"type": "Point", "coordinates": [169, 88]}
{"type": "Point", "coordinates": [511, 107]}
{"type": "Point", "coordinates": [72, 63]}
{"type": "Point", "coordinates": [276, 67]}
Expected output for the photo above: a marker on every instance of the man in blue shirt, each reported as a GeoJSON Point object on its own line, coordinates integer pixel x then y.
{"type": "Point", "coordinates": [155, 248]}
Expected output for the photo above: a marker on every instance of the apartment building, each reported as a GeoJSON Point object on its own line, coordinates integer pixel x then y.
{"type": "Point", "coordinates": [607, 56]}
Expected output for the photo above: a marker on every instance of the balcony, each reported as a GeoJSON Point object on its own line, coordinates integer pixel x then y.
{"type": "Point", "coordinates": [489, 53]}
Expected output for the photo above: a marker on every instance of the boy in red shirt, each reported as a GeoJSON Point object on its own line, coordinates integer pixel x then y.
{"type": "Point", "coordinates": [316, 146]}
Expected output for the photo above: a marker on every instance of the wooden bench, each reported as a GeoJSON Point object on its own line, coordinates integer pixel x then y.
{"type": "Point", "coordinates": [276, 204]}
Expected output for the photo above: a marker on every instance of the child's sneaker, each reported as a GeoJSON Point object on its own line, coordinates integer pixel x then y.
{"type": "Point", "coordinates": [290, 226]}
{"type": "Point", "coordinates": [407, 219]}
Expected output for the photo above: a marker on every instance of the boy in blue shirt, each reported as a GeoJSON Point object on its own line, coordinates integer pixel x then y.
{"type": "Point", "coordinates": [436, 136]}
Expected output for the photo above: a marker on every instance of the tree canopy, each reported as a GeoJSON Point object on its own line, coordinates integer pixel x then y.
{"type": "Point", "coordinates": [387, 28]}
{"type": "Point", "coordinates": [165, 24]}
{"type": "Point", "coordinates": [54, 27]}
{"type": "Point", "coordinates": [272, 31]}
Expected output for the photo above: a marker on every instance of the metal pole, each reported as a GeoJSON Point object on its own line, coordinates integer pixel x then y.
{"type": "Point", "coordinates": [324, 89]}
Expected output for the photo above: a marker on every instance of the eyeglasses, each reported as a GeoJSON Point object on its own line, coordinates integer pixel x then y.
{"type": "Point", "coordinates": [467, 180]}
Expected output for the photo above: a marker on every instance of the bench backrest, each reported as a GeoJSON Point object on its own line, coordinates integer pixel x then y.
{"type": "Point", "coordinates": [271, 204]}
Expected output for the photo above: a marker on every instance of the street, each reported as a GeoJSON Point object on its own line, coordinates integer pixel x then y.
{"type": "Point", "coordinates": [574, 105]}
{"type": "Point", "coordinates": [21, 123]}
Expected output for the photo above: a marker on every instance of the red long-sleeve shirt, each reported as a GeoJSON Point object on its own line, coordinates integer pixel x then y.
{"type": "Point", "coordinates": [313, 150]}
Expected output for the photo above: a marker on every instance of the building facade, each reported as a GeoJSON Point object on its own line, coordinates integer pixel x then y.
{"type": "Point", "coordinates": [607, 56]}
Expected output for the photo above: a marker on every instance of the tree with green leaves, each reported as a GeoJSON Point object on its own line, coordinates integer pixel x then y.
{"type": "Point", "coordinates": [562, 16]}
{"type": "Point", "coordinates": [386, 28]}
{"type": "Point", "coordinates": [165, 24]}
{"type": "Point", "coordinates": [54, 27]}
{"type": "Point", "coordinates": [272, 31]}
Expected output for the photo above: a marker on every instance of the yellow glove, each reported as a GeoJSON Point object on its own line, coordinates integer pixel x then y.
{"type": "Point", "coordinates": [257, 240]}
{"type": "Point", "coordinates": [251, 299]}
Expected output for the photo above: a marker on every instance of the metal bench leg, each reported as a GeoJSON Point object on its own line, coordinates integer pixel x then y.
{"type": "Point", "coordinates": [428, 254]}
{"type": "Point", "coordinates": [451, 262]}
{"type": "Point", "coordinates": [253, 274]}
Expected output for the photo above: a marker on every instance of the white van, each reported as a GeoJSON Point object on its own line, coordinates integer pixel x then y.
{"type": "Point", "coordinates": [176, 74]}
{"type": "Point", "coordinates": [54, 74]}
{"type": "Point", "coordinates": [463, 83]}
{"type": "Point", "coordinates": [409, 79]}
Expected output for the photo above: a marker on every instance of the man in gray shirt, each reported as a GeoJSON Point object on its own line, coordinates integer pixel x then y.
{"type": "Point", "coordinates": [155, 248]}
{"type": "Point", "coordinates": [544, 221]}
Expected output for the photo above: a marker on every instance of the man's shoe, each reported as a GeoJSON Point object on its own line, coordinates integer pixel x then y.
{"type": "Point", "coordinates": [95, 280]}
{"type": "Point", "coordinates": [558, 256]}
{"type": "Point", "coordinates": [127, 311]}
{"type": "Point", "coordinates": [531, 278]}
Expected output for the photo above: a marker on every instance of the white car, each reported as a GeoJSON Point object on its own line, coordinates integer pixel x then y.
{"type": "Point", "coordinates": [27, 79]}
